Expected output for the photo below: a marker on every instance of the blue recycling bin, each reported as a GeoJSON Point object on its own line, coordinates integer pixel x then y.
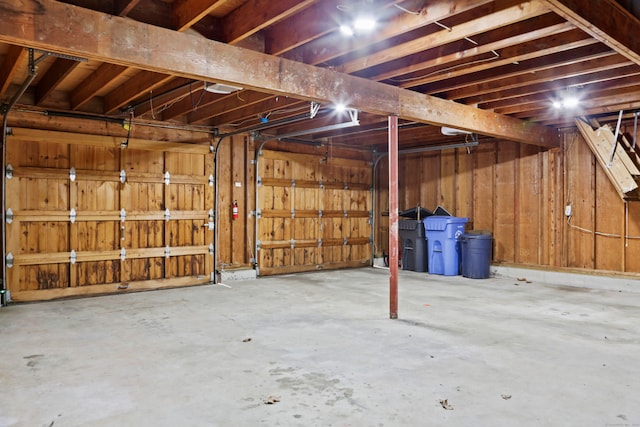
{"type": "Point", "coordinates": [443, 241]}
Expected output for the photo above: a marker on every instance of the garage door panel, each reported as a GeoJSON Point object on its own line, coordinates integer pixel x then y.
{"type": "Point", "coordinates": [315, 212]}
{"type": "Point", "coordinates": [96, 235]}
{"type": "Point", "coordinates": [80, 223]}
{"type": "Point", "coordinates": [97, 272]}
{"type": "Point", "coordinates": [42, 277]}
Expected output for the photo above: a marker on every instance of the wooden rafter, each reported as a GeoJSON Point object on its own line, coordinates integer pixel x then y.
{"type": "Point", "coordinates": [188, 12]}
{"type": "Point", "coordinates": [94, 83]}
{"type": "Point", "coordinates": [123, 7]}
{"type": "Point", "coordinates": [140, 84]}
{"type": "Point", "coordinates": [447, 56]}
{"type": "Point", "coordinates": [437, 10]}
{"type": "Point", "coordinates": [48, 25]}
{"type": "Point", "coordinates": [509, 55]}
{"type": "Point", "coordinates": [54, 76]}
{"type": "Point", "coordinates": [12, 61]}
{"type": "Point", "coordinates": [244, 21]}
{"type": "Point", "coordinates": [606, 21]}
{"type": "Point", "coordinates": [578, 61]}
{"type": "Point", "coordinates": [459, 32]}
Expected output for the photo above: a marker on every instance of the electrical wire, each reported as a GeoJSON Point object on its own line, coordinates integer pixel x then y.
{"type": "Point", "coordinates": [444, 70]}
{"type": "Point", "coordinates": [405, 10]}
{"type": "Point", "coordinates": [597, 233]}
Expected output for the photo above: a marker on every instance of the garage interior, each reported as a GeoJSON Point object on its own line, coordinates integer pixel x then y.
{"type": "Point", "coordinates": [261, 150]}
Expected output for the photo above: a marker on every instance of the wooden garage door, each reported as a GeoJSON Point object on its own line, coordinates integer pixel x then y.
{"type": "Point", "coordinates": [87, 216]}
{"type": "Point", "coordinates": [315, 213]}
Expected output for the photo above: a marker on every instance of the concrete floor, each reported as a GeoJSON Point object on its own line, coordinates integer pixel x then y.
{"type": "Point", "coordinates": [321, 349]}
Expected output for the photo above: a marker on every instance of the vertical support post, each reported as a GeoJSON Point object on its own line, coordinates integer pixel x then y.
{"type": "Point", "coordinates": [393, 217]}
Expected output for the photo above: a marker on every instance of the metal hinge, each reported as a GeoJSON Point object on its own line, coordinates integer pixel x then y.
{"type": "Point", "coordinates": [167, 251]}
{"type": "Point", "coordinates": [167, 214]}
{"type": "Point", "coordinates": [167, 178]}
{"type": "Point", "coordinates": [345, 213]}
{"type": "Point", "coordinates": [259, 213]}
{"type": "Point", "coordinates": [8, 171]}
{"type": "Point", "coordinates": [210, 248]}
{"type": "Point", "coordinates": [123, 254]}
{"type": "Point", "coordinates": [9, 216]}
{"type": "Point", "coordinates": [344, 241]}
{"type": "Point", "coordinates": [123, 215]}
{"type": "Point", "coordinates": [293, 213]}
{"type": "Point", "coordinates": [72, 215]}
{"type": "Point", "coordinates": [73, 257]}
{"type": "Point", "coordinates": [293, 183]}
{"type": "Point", "coordinates": [211, 181]}
{"type": "Point", "coordinates": [72, 174]}
{"type": "Point", "coordinates": [9, 260]}
{"type": "Point", "coordinates": [258, 245]}
{"type": "Point", "coordinates": [259, 181]}
{"type": "Point", "coordinates": [123, 176]}
{"type": "Point", "coordinates": [293, 243]}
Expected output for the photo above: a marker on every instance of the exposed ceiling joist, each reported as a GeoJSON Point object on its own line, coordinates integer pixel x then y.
{"type": "Point", "coordinates": [54, 26]}
{"type": "Point", "coordinates": [606, 21]}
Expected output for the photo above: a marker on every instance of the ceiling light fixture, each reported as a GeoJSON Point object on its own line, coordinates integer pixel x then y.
{"type": "Point", "coordinates": [568, 99]}
{"type": "Point", "coordinates": [220, 88]}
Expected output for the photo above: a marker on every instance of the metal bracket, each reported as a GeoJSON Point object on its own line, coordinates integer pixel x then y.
{"type": "Point", "coordinates": [314, 108]}
{"type": "Point", "coordinates": [123, 254]}
{"type": "Point", "coordinates": [353, 114]}
{"type": "Point", "coordinates": [73, 257]}
{"type": "Point", "coordinates": [212, 149]}
{"type": "Point", "coordinates": [259, 213]}
{"type": "Point", "coordinates": [9, 216]}
{"type": "Point", "coordinates": [72, 215]}
{"type": "Point", "coordinates": [167, 252]}
{"type": "Point", "coordinates": [9, 260]}
{"type": "Point", "coordinates": [615, 140]}
{"type": "Point", "coordinates": [211, 181]}
{"type": "Point", "coordinates": [123, 215]}
{"type": "Point", "coordinates": [252, 162]}
{"type": "Point", "coordinates": [167, 178]}
{"type": "Point", "coordinates": [8, 171]}
{"type": "Point", "coordinates": [72, 174]}
{"type": "Point", "coordinates": [210, 248]}
{"type": "Point", "coordinates": [123, 176]}
{"type": "Point", "coordinates": [259, 181]}
{"type": "Point", "coordinates": [167, 214]}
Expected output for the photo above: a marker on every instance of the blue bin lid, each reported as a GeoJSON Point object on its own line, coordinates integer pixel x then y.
{"type": "Point", "coordinates": [440, 222]}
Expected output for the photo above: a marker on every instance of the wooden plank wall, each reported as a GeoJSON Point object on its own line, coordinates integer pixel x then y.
{"type": "Point", "coordinates": [519, 193]}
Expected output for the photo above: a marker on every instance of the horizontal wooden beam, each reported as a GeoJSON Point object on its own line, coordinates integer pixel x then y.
{"type": "Point", "coordinates": [62, 28]}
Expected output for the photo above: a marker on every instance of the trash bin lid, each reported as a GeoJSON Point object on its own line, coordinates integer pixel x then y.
{"type": "Point", "coordinates": [415, 213]}
{"type": "Point", "coordinates": [478, 234]}
{"type": "Point", "coordinates": [439, 222]}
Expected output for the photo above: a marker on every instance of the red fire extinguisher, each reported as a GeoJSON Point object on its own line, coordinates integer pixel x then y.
{"type": "Point", "coordinates": [234, 210]}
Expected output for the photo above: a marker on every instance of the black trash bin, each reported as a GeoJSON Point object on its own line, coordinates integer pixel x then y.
{"type": "Point", "coordinates": [414, 245]}
{"type": "Point", "coordinates": [476, 253]}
